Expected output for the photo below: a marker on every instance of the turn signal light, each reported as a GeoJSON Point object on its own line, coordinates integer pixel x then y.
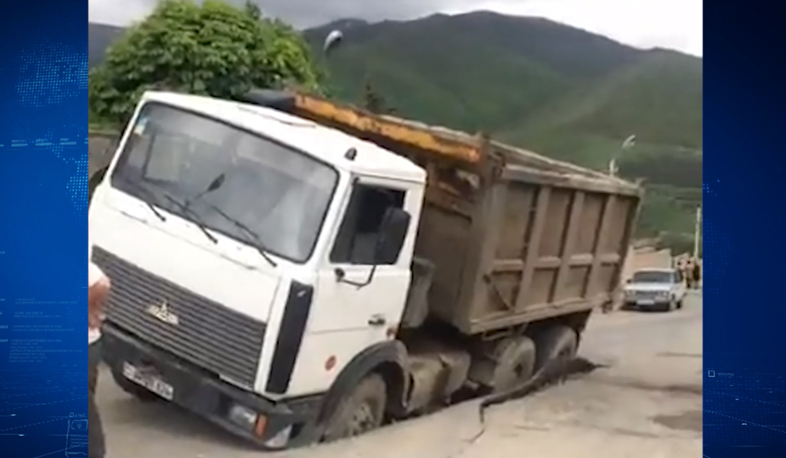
{"type": "Point", "coordinates": [259, 427]}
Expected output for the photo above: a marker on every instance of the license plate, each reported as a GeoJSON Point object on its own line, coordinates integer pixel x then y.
{"type": "Point", "coordinates": [645, 302]}
{"type": "Point", "coordinates": [149, 381]}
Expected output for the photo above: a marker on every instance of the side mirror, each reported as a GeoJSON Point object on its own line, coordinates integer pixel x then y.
{"type": "Point", "coordinates": [393, 232]}
{"type": "Point", "coordinates": [629, 281]}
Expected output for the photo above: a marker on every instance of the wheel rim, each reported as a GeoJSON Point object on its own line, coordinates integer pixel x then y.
{"type": "Point", "coordinates": [566, 352]}
{"type": "Point", "coordinates": [515, 373]}
{"type": "Point", "coordinates": [362, 420]}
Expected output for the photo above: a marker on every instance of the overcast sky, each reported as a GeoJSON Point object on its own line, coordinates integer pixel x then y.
{"type": "Point", "coordinates": [673, 24]}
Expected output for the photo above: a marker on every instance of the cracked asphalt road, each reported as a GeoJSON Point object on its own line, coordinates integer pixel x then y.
{"type": "Point", "coordinates": [647, 403]}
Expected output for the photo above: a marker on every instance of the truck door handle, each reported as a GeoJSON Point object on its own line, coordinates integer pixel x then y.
{"type": "Point", "coordinates": [377, 320]}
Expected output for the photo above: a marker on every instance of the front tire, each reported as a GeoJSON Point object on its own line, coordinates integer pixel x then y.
{"type": "Point", "coordinates": [362, 410]}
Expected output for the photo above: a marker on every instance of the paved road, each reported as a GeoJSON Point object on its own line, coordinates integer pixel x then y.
{"type": "Point", "coordinates": [647, 403]}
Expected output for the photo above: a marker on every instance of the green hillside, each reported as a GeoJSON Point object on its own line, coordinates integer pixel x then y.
{"type": "Point", "coordinates": [439, 87]}
{"type": "Point", "coordinates": [521, 78]}
{"type": "Point", "coordinates": [658, 98]}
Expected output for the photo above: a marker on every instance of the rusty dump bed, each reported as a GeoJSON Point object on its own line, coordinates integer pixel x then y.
{"type": "Point", "coordinates": [515, 237]}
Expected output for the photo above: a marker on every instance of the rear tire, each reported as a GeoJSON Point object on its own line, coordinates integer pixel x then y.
{"type": "Point", "coordinates": [137, 391]}
{"type": "Point", "coordinates": [555, 342]}
{"type": "Point", "coordinates": [515, 363]}
{"type": "Point", "coordinates": [362, 410]}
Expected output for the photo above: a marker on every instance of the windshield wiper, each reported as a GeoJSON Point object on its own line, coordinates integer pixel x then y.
{"type": "Point", "coordinates": [214, 185]}
{"type": "Point", "coordinates": [260, 247]}
{"type": "Point", "coordinates": [149, 194]}
{"type": "Point", "coordinates": [195, 217]}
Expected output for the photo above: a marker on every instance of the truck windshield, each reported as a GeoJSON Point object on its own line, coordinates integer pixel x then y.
{"type": "Point", "coordinates": [277, 192]}
{"type": "Point", "coordinates": [652, 277]}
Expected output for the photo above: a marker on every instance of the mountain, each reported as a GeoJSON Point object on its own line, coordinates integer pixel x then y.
{"type": "Point", "coordinates": [552, 88]}
{"type": "Point", "coordinates": [558, 90]}
{"type": "Point", "coordinates": [658, 98]}
{"type": "Point", "coordinates": [99, 37]}
{"type": "Point", "coordinates": [519, 76]}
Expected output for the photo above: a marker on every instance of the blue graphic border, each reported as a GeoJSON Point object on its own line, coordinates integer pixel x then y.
{"type": "Point", "coordinates": [43, 235]}
{"type": "Point", "coordinates": [744, 361]}
{"type": "Point", "coordinates": [43, 229]}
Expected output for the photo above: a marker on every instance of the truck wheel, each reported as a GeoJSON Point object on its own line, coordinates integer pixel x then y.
{"type": "Point", "coordinates": [555, 342]}
{"type": "Point", "coordinates": [362, 410]}
{"type": "Point", "coordinates": [670, 306]}
{"type": "Point", "coordinates": [679, 305]}
{"type": "Point", "coordinates": [515, 363]}
{"type": "Point", "coordinates": [133, 389]}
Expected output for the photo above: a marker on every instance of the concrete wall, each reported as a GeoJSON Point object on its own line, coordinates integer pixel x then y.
{"type": "Point", "coordinates": [101, 147]}
{"type": "Point", "coordinates": [645, 257]}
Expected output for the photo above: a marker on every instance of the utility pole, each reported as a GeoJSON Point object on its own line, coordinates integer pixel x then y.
{"type": "Point", "coordinates": [697, 234]}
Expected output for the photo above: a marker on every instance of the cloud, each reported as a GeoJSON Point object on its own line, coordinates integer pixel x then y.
{"type": "Point", "coordinates": [675, 24]}
{"type": "Point", "coordinates": [300, 13]}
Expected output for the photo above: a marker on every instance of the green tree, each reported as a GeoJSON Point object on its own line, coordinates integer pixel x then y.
{"type": "Point", "coordinates": [252, 9]}
{"type": "Point", "coordinates": [210, 49]}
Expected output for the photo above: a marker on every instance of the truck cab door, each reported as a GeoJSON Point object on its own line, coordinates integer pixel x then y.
{"type": "Point", "coordinates": [359, 301]}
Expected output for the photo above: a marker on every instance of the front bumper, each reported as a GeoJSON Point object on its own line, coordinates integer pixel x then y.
{"type": "Point", "coordinates": [652, 302]}
{"type": "Point", "coordinates": [211, 398]}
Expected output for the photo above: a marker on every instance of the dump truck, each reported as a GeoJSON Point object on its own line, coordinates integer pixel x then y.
{"type": "Point", "coordinates": [298, 270]}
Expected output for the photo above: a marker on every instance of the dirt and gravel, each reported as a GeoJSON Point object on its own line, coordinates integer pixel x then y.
{"type": "Point", "coordinates": [647, 402]}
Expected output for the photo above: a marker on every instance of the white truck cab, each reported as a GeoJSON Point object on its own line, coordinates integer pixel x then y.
{"type": "Point", "coordinates": [253, 254]}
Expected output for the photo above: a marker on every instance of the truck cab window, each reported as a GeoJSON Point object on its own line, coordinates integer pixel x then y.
{"type": "Point", "coordinates": [359, 231]}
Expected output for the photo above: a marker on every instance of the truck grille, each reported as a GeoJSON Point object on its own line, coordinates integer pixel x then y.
{"type": "Point", "coordinates": [207, 334]}
{"type": "Point", "coordinates": [646, 294]}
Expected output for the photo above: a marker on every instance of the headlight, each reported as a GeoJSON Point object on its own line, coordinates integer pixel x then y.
{"type": "Point", "coordinates": [243, 416]}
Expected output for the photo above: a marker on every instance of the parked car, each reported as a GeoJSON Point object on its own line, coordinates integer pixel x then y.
{"type": "Point", "coordinates": [661, 289]}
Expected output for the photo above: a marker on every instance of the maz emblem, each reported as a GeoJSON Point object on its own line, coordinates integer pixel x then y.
{"type": "Point", "coordinates": [162, 313]}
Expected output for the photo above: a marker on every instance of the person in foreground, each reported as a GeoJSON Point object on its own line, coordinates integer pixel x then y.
{"type": "Point", "coordinates": [98, 286]}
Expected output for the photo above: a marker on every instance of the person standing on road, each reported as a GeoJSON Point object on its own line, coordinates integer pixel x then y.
{"type": "Point", "coordinates": [98, 287]}
{"type": "Point", "coordinates": [696, 275]}
{"type": "Point", "coordinates": [686, 270]}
